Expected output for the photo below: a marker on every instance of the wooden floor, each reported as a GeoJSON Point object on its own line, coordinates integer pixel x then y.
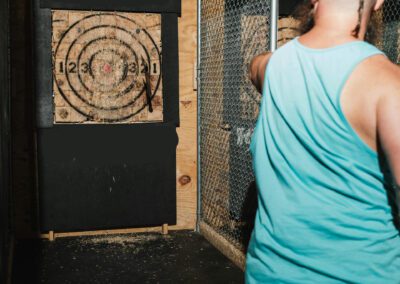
{"type": "Point", "coordinates": [180, 257]}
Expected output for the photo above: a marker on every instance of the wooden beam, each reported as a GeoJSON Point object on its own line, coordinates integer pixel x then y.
{"type": "Point", "coordinates": [164, 229]}
{"type": "Point", "coordinates": [224, 246]}
{"type": "Point", "coordinates": [51, 236]}
{"type": "Point", "coordinates": [113, 232]}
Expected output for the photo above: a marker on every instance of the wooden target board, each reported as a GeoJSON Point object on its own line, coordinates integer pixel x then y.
{"type": "Point", "coordinates": [106, 67]}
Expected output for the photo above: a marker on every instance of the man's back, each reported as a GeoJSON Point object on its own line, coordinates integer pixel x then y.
{"type": "Point", "coordinates": [324, 212]}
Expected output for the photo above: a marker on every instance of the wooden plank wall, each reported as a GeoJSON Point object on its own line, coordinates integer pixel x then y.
{"type": "Point", "coordinates": [187, 149]}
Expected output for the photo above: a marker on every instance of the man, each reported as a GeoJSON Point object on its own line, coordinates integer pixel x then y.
{"type": "Point", "coordinates": [331, 103]}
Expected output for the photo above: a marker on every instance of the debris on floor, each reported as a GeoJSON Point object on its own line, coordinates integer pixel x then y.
{"type": "Point", "coordinates": [180, 257]}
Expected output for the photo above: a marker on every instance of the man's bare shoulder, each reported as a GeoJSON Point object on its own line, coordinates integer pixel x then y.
{"type": "Point", "coordinates": [382, 74]}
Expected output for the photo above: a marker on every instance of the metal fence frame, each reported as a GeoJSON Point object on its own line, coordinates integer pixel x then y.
{"type": "Point", "coordinates": [217, 240]}
{"type": "Point", "coordinates": [384, 42]}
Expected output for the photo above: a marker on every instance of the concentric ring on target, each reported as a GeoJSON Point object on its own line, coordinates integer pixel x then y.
{"type": "Point", "coordinates": [127, 66]}
{"type": "Point", "coordinates": [101, 71]}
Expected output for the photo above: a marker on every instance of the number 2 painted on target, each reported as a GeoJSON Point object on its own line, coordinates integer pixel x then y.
{"type": "Point", "coordinates": [72, 67]}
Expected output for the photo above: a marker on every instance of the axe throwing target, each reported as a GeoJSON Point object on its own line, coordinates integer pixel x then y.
{"type": "Point", "coordinates": [100, 61]}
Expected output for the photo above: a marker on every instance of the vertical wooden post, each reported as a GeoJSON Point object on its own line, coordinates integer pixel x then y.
{"type": "Point", "coordinates": [164, 229]}
{"type": "Point", "coordinates": [51, 236]}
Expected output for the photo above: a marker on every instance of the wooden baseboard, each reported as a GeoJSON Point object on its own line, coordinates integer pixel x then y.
{"type": "Point", "coordinates": [230, 251]}
{"type": "Point", "coordinates": [159, 229]}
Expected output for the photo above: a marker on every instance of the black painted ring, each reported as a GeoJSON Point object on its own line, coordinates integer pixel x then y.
{"type": "Point", "coordinates": [130, 103]}
{"type": "Point", "coordinates": [127, 90]}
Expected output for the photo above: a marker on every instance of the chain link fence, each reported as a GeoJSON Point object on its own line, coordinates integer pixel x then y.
{"type": "Point", "coordinates": [387, 29]}
{"type": "Point", "coordinates": [231, 33]}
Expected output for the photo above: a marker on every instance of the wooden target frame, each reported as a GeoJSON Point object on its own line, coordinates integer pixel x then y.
{"type": "Point", "coordinates": [106, 67]}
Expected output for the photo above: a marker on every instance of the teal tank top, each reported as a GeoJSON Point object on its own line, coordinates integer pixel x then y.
{"type": "Point", "coordinates": [323, 211]}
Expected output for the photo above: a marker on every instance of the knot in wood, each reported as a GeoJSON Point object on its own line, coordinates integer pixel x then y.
{"type": "Point", "coordinates": [184, 180]}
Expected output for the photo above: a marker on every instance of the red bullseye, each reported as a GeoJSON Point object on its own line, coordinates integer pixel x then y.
{"type": "Point", "coordinates": [107, 68]}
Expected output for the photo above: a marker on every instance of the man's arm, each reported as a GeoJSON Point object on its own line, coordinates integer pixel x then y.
{"type": "Point", "coordinates": [257, 69]}
{"type": "Point", "coordinates": [388, 122]}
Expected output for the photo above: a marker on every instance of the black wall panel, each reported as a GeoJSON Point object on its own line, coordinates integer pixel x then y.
{"type": "Point", "coordinates": [5, 183]}
{"type": "Point", "coordinates": [99, 177]}
{"type": "Point", "coordinates": [151, 6]}
{"type": "Point", "coordinates": [169, 35]}
{"type": "Point", "coordinates": [43, 75]}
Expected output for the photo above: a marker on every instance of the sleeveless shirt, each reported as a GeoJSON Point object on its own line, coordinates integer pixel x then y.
{"type": "Point", "coordinates": [323, 210]}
